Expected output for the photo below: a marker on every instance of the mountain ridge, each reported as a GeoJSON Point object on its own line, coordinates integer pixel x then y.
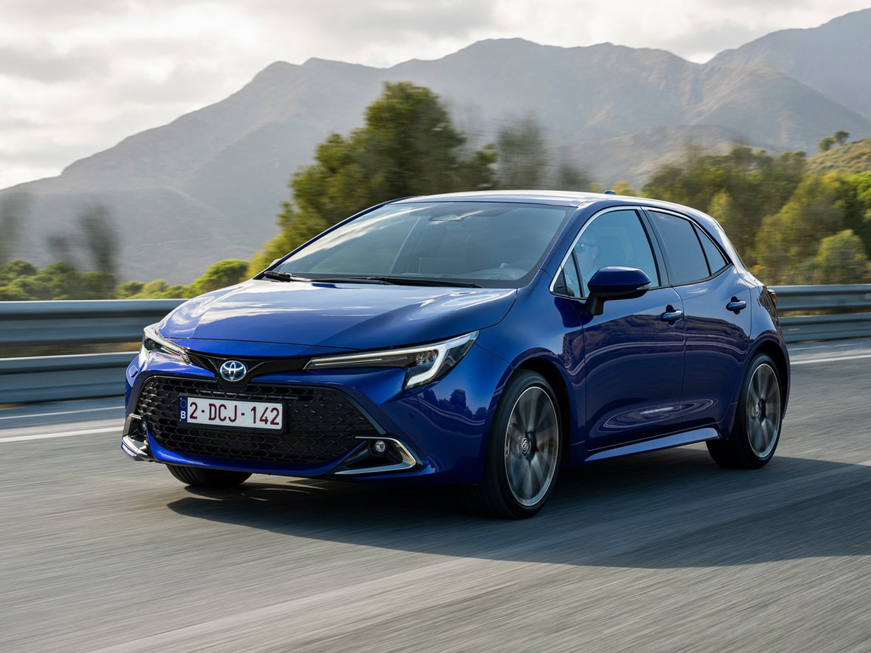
{"type": "Point", "coordinates": [820, 57]}
{"type": "Point", "coordinates": [220, 172]}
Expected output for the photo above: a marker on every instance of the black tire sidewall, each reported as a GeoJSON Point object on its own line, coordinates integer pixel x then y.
{"type": "Point", "coordinates": [496, 475]}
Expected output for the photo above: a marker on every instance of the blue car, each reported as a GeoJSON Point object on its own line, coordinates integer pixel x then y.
{"type": "Point", "coordinates": [484, 339]}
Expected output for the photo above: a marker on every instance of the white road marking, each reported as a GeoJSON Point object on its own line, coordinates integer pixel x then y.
{"type": "Point", "coordinates": [66, 434]}
{"type": "Point", "coordinates": [63, 412]}
{"type": "Point", "coordinates": [830, 360]}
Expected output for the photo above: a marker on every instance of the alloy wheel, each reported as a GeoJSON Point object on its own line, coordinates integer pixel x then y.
{"type": "Point", "coordinates": [763, 410]}
{"type": "Point", "coordinates": [532, 446]}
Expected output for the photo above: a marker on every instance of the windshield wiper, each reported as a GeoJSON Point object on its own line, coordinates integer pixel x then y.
{"type": "Point", "coordinates": [415, 281]}
{"type": "Point", "coordinates": [398, 281]}
{"type": "Point", "coordinates": [283, 276]}
{"type": "Point", "coordinates": [287, 276]}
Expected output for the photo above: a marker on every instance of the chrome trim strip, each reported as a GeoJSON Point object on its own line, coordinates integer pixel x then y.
{"type": "Point", "coordinates": [136, 449]}
{"type": "Point", "coordinates": [409, 460]}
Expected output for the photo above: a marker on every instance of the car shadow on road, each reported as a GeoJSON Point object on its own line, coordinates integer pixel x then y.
{"type": "Point", "coordinates": [661, 510]}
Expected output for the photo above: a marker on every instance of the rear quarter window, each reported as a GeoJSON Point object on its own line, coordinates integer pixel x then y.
{"type": "Point", "coordinates": [687, 262]}
{"type": "Point", "coordinates": [716, 260]}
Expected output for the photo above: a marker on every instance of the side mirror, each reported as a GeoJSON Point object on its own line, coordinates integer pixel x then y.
{"type": "Point", "coordinates": [615, 283]}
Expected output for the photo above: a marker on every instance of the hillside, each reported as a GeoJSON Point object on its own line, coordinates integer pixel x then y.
{"type": "Point", "coordinates": [850, 157]}
{"type": "Point", "coordinates": [832, 58]}
{"type": "Point", "coordinates": [207, 186]}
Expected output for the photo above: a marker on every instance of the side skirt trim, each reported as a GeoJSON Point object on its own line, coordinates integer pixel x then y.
{"type": "Point", "coordinates": [676, 440]}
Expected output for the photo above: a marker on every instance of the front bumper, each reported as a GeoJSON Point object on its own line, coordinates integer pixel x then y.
{"type": "Point", "coordinates": [436, 433]}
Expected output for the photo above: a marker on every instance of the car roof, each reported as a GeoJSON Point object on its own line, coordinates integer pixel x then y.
{"type": "Point", "coordinates": [561, 198]}
{"type": "Point", "coordinates": [556, 197]}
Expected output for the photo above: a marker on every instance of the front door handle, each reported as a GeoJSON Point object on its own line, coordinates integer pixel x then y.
{"type": "Point", "coordinates": [671, 316]}
{"type": "Point", "coordinates": [736, 305]}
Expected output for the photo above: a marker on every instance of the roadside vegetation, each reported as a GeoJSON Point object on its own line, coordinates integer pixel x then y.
{"type": "Point", "coordinates": [794, 219]}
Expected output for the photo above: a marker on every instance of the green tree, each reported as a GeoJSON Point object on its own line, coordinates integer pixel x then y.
{"type": "Point", "coordinates": [407, 146]}
{"type": "Point", "coordinates": [756, 184]}
{"type": "Point", "coordinates": [841, 258]}
{"type": "Point", "coordinates": [95, 285]}
{"type": "Point", "coordinates": [841, 136]}
{"type": "Point", "coordinates": [100, 239]}
{"type": "Point", "coordinates": [13, 208]}
{"type": "Point", "coordinates": [724, 209]}
{"type": "Point", "coordinates": [15, 269]}
{"type": "Point", "coordinates": [522, 156]}
{"type": "Point", "coordinates": [623, 187]}
{"type": "Point", "coordinates": [129, 289]}
{"type": "Point", "coordinates": [95, 236]}
{"type": "Point", "coordinates": [59, 280]}
{"type": "Point", "coordinates": [826, 144]}
{"type": "Point", "coordinates": [789, 239]}
{"type": "Point", "coordinates": [569, 177]}
{"type": "Point", "coordinates": [220, 275]}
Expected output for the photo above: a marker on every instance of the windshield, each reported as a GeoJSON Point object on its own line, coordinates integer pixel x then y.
{"type": "Point", "coordinates": [488, 244]}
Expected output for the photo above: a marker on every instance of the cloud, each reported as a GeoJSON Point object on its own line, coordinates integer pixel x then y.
{"type": "Point", "coordinates": [78, 76]}
{"type": "Point", "coordinates": [48, 67]}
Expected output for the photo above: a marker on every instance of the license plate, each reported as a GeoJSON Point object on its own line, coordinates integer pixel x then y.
{"type": "Point", "coordinates": [226, 412]}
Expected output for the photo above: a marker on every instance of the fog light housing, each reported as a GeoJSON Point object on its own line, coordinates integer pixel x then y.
{"type": "Point", "coordinates": [378, 447]}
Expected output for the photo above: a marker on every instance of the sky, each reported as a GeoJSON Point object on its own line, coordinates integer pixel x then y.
{"type": "Point", "coordinates": [77, 76]}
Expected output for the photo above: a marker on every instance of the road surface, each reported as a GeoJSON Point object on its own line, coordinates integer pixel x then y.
{"type": "Point", "coordinates": [660, 552]}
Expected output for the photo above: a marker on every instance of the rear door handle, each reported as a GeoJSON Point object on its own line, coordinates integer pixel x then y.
{"type": "Point", "coordinates": [671, 316]}
{"type": "Point", "coordinates": [736, 305]}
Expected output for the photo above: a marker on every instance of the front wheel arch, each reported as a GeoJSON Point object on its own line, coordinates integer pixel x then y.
{"type": "Point", "coordinates": [564, 403]}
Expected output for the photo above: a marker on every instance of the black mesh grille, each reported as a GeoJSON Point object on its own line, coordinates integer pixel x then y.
{"type": "Point", "coordinates": [320, 424]}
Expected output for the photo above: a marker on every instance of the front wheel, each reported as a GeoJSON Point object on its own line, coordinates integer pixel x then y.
{"type": "Point", "coordinates": [758, 421]}
{"type": "Point", "coordinates": [524, 452]}
{"type": "Point", "coordinates": [203, 477]}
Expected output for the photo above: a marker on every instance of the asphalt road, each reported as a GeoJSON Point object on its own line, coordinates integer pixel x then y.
{"type": "Point", "coordinates": [660, 552]}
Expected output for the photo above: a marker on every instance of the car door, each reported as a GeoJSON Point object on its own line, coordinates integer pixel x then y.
{"type": "Point", "coordinates": [634, 350]}
{"type": "Point", "coordinates": [716, 305]}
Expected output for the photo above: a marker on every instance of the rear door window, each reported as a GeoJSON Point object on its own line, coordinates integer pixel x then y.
{"type": "Point", "coordinates": [687, 262]}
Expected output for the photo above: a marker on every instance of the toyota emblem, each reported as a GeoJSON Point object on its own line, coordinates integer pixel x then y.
{"type": "Point", "coordinates": [233, 370]}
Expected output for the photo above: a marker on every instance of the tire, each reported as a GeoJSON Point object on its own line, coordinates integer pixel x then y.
{"type": "Point", "coordinates": [758, 421]}
{"type": "Point", "coordinates": [524, 451]}
{"type": "Point", "coordinates": [202, 477]}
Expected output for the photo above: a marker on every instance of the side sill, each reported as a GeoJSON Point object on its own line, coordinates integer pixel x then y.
{"type": "Point", "coordinates": [676, 440]}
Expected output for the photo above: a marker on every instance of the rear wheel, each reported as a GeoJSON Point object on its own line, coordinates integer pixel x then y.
{"type": "Point", "coordinates": [201, 477]}
{"type": "Point", "coordinates": [758, 421]}
{"type": "Point", "coordinates": [524, 452]}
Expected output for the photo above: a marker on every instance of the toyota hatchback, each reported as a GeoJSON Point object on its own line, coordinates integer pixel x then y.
{"type": "Point", "coordinates": [480, 339]}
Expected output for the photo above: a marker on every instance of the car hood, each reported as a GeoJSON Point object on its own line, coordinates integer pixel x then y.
{"type": "Point", "coordinates": [340, 316]}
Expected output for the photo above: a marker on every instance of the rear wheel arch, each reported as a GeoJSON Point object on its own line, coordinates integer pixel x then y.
{"type": "Point", "coordinates": [773, 350]}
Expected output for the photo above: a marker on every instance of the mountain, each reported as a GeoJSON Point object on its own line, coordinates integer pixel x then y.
{"type": "Point", "coordinates": [207, 186]}
{"type": "Point", "coordinates": [831, 58]}
{"type": "Point", "coordinates": [850, 157]}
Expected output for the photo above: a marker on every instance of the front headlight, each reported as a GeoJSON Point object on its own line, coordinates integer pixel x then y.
{"type": "Point", "coordinates": [422, 364]}
{"type": "Point", "coordinates": [153, 341]}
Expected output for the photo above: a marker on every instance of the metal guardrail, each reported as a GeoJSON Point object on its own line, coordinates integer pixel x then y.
{"type": "Point", "coordinates": [80, 322]}
{"type": "Point", "coordinates": [47, 378]}
{"type": "Point", "coordinates": [53, 378]}
{"type": "Point", "coordinates": [804, 299]}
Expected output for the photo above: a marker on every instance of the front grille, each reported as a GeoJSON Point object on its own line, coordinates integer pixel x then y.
{"type": "Point", "coordinates": [320, 424]}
